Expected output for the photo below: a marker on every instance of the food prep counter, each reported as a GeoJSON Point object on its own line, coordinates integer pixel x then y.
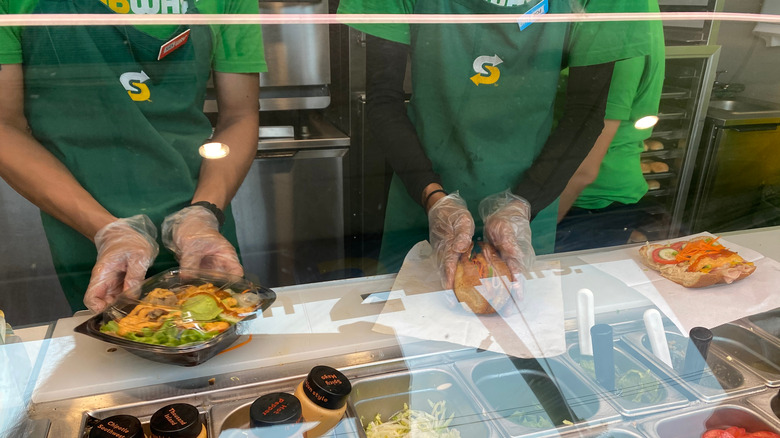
{"type": "Point", "coordinates": [58, 383]}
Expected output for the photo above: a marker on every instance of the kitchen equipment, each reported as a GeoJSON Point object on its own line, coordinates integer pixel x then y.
{"type": "Point", "coordinates": [761, 355]}
{"type": "Point", "coordinates": [419, 389]}
{"type": "Point", "coordinates": [722, 379]}
{"type": "Point", "coordinates": [638, 390]}
{"type": "Point", "coordinates": [691, 32]}
{"type": "Point", "coordinates": [768, 322]}
{"type": "Point", "coordinates": [690, 73]}
{"type": "Point", "coordinates": [290, 209]}
{"type": "Point", "coordinates": [298, 58]}
{"type": "Point", "coordinates": [738, 168]}
{"type": "Point", "coordinates": [533, 397]}
{"type": "Point", "coordinates": [284, 332]}
{"type": "Point", "coordinates": [695, 422]}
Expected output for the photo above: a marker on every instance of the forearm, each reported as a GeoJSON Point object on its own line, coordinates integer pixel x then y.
{"type": "Point", "coordinates": [34, 172]}
{"type": "Point", "coordinates": [588, 171]}
{"type": "Point", "coordinates": [391, 130]}
{"type": "Point", "coordinates": [573, 138]}
{"type": "Point", "coordinates": [237, 127]}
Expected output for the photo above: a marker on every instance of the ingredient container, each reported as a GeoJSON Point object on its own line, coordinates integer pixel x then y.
{"type": "Point", "coordinates": [761, 355]}
{"type": "Point", "coordinates": [638, 389]}
{"type": "Point", "coordinates": [721, 379]}
{"type": "Point", "coordinates": [535, 397]}
{"type": "Point", "coordinates": [436, 391]}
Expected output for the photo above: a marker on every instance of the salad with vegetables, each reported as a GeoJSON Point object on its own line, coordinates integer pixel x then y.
{"type": "Point", "coordinates": [181, 316]}
{"type": "Point", "coordinates": [414, 423]}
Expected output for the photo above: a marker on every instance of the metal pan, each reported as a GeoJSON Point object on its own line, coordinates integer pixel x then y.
{"type": "Point", "coordinates": [530, 397]}
{"type": "Point", "coordinates": [693, 423]}
{"type": "Point", "coordinates": [759, 354]}
{"type": "Point", "coordinates": [386, 394]}
{"type": "Point", "coordinates": [722, 379]}
{"type": "Point", "coordinates": [654, 393]}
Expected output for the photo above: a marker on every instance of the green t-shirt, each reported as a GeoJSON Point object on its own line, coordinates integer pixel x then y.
{"type": "Point", "coordinates": [590, 43]}
{"type": "Point", "coordinates": [634, 93]}
{"type": "Point", "coordinates": [237, 48]}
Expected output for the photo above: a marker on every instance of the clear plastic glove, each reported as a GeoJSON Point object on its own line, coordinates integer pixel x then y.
{"type": "Point", "coordinates": [451, 229]}
{"type": "Point", "coordinates": [193, 235]}
{"type": "Point", "coordinates": [126, 248]}
{"type": "Point", "coordinates": [507, 227]}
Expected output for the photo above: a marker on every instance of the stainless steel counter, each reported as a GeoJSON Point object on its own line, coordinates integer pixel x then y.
{"type": "Point", "coordinates": [62, 380]}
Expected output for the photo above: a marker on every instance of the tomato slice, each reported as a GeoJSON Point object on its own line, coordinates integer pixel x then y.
{"type": "Point", "coordinates": [677, 245]}
{"type": "Point", "coordinates": [716, 433]}
{"type": "Point", "coordinates": [738, 432]}
{"type": "Point", "coordinates": [762, 434]}
{"type": "Point", "coordinates": [666, 255]}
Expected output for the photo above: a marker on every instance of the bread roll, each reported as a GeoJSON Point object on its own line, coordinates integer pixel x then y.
{"type": "Point", "coordinates": [659, 167]}
{"type": "Point", "coordinates": [645, 167]}
{"type": "Point", "coordinates": [653, 145]}
{"type": "Point", "coordinates": [470, 271]}
{"type": "Point", "coordinates": [653, 184]}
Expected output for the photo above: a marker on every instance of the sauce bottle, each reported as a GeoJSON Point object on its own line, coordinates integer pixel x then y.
{"type": "Point", "coordinates": [277, 414]}
{"type": "Point", "coordinates": [323, 396]}
{"type": "Point", "coordinates": [118, 426]}
{"type": "Point", "coordinates": [179, 420]}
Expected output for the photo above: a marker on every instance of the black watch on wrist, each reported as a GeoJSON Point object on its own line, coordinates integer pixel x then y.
{"type": "Point", "coordinates": [214, 209]}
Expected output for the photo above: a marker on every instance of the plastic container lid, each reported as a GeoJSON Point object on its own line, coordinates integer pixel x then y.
{"type": "Point", "coordinates": [327, 387]}
{"type": "Point", "coordinates": [179, 420]}
{"type": "Point", "coordinates": [118, 426]}
{"type": "Point", "coordinates": [274, 409]}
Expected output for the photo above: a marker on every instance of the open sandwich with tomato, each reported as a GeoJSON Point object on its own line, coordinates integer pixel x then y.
{"type": "Point", "coordinates": [182, 308]}
{"type": "Point", "coordinates": [698, 262]}
{"type": "Point", "coordinates": [482, 279]}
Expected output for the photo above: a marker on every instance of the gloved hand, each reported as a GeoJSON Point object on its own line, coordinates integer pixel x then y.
{"type": "Point", "coordinates": [126, 248]}
{"type": "Point", "coordinates": [193, 235]}
{"type": "Point", "coordinates": [451, 229]}
{"type": "Point", "coordinates": [507, 227]}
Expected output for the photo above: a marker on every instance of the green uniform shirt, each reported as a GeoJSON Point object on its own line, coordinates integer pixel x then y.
{"type": "Point", "coordinates": [237, 48]}
{"type": "Point", "coordinates": [483, 94]}
{"type": "Point", "coordinates": [634, 93]}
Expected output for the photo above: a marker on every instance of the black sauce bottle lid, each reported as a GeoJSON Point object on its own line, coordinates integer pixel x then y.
{"type": "Point", "coordinates": [327, 387]}
{"type": "Point", "coordinates": [274, 409]}
{"type": "Point", "coordinates": [179, 420]}
{"type": "Point", "coordinates": [118, 426]}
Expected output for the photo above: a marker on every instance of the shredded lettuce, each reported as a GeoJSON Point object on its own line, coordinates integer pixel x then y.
{"type": "Point", "coordinates": [414, 423]}
{"type": "Point", "coordinates": [532, 419]}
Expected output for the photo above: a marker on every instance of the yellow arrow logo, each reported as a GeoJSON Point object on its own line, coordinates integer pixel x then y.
{"type": "Point", "coordinates": [133, 82]}
{"type": "Point", "coordinates": [487, 80]}
{"type": "Point", "coordinates": [142, 93]}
